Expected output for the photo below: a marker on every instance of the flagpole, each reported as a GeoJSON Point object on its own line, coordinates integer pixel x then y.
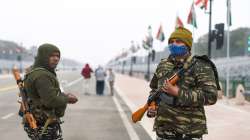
{"type": "Point", "coordinates": [209, 29]}
{"type": "Point", "coordinates": [193, 53]}
{"type": "Point", "coordinates": [193, 29]}
{"type": "Point", "coordinates": [228, 51]}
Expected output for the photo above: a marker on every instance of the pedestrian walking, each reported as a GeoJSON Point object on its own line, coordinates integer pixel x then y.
{"type": "Point", "coordinates": [111, 80]}
{"type": "Point", "coordinates": [100, 75]}
{"type": "Point", "coordinates": [86, 73]}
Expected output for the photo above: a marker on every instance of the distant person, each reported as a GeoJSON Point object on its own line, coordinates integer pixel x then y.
{"type": "Point", "coordinates": [46, 101]}
{"type": "Point", "coordinates": [111, 80]}
{"type": "Point", "coordinates": [86, 73]}
{"type": "Point", "coordinates": [100, 75]}
{"type": "Point", "coordinates": [180, 113]}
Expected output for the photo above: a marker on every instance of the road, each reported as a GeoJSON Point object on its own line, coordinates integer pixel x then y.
{"type": "Point", "coordinates": [92, 118]}
{"type": "Point", "coordinates": [109, 117]}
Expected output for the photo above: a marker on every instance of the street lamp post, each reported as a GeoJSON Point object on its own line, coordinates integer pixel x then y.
{"type": "Point", "coordinates": [147, 76]}
{"type": "Point", "coordinates": [131, 67]}
{"type": "Point", "coordinates": [123, 65]}
{"type": "Point", "coordinates": [19, 59]}
{"type": "Point", "coordinates": [148, 45]}
{"type": "Point", "coordinates": [132, 50]}
{"type": "Point", "coordinates": [209, 29]}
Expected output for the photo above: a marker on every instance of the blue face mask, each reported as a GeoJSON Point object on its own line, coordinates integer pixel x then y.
{"type": "Point", "coordinates": [177, 50]}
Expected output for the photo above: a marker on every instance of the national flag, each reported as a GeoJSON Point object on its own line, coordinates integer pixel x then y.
{"type": "Point", "coordinates": [202, 3]}
{"type": "Point", "coordinates": [178, 23]}
{"type": "Point", "coordinates": [192, 16]}
{"type": "Point", "coordinates": [229, 18]}
{"type": "Point", "coordinates": [160, 34]}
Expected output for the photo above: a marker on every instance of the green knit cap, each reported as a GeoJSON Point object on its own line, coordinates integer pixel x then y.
{"type": "Point", "coordinates": [183, 34]}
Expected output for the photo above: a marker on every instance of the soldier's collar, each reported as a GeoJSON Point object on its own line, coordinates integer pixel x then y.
{"type": "Point", "coordinates": [181, 62]}
{"type": "Point", "coordinates": [188, 61]}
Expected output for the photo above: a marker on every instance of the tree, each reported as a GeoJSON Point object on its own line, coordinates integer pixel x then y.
{"type": "Point", "coordinates": [238, 44]}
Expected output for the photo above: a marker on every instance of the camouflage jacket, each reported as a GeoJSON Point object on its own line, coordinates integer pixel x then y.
{"type": "Point", "coordinates": [197, 87]}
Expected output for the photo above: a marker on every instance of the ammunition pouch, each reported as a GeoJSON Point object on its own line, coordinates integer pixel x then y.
{"type": "Point", "coordinates": [167, 99]}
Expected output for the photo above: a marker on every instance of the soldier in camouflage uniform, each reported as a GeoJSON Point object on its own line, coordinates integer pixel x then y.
{"type": "Point", "coordinates": [45, 98]}
{"type": "Point", "coordinates": [180, 114]}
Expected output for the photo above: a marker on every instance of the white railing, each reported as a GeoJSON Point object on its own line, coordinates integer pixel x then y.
{"type": "Point", "coordinates": [7, 65]}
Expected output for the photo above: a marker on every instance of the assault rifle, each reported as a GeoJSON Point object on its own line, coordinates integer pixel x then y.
{"type": "Point", "coordinates": [137, 115]}
{"type": "Point", "coordinates": [25, 110]}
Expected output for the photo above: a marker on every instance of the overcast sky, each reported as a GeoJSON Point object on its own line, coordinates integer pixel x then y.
{"type": "Point", "coordinates": [95, 31]}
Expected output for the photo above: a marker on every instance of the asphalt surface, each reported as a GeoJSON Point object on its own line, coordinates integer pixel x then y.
{"type": "Point", "coordinates": [91, 118]}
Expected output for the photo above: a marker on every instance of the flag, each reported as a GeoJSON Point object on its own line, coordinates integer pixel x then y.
{"type": "Point", "coordinates": [160, 35]}
{"type": "Point", "coordinates": [192, 16]}
{"type": "Point", "coordinates": [202, 3]}
{"type": "Point", "coordinates": [178, 23]}
{"type": "Point", "coordinates": [229, 18]}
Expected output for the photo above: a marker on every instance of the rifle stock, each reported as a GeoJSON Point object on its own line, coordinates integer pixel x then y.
{"type": "Point", "coordinates": [24, 105]}
{"type": "Point", "coordinates": [137, 115]}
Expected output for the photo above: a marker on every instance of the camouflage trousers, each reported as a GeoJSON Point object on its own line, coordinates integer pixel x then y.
{"type": "Point", "coordinates": [53, 132]}
{"type": "Point", "coordinates": [168, 135]}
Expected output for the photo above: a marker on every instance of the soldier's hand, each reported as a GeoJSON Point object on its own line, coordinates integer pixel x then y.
{"type": "Point", "coordinates": [151, 112]}
{"type": "Point", "coordinates": [71, 98]}
{"type": "Point", "coordinates": [170, 89]}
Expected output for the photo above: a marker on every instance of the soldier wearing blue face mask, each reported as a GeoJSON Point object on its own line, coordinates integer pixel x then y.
{"type": "Point", "coordinates": [180, 113]}
{"type": "Point", "coordinates": [180, 43]}
{"type": "Point", "coordinates": [178, 48]}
